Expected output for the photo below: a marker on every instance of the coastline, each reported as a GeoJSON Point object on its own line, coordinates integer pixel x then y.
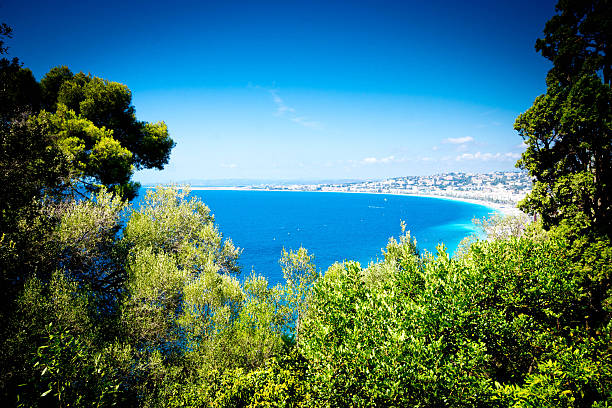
{"type": "Point", "coordinates": [503, 209]}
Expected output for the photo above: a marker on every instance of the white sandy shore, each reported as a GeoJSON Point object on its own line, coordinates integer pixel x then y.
{"type": "Point", "coordinates": [504, 209]}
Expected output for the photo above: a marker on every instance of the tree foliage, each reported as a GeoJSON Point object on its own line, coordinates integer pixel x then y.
{"type": "Point", "coordinates": [144, 303]}
{"type": "Point", "coordinates": [65, 136]}
{"type": "Point", "coordinates": [104, 303]}
{"type": "Point", "coordinates": [91, 120]}
{"type": "Point", "coordinates": [503, 325]}
{"type": "Point", "coordinates": [568, 131]}
{"type": "Point", "coordinates": [108, 105]}
{"type": "Point", "coordinates": [5, 31]}
{"type": "Point", "coordinates": [20, 93]}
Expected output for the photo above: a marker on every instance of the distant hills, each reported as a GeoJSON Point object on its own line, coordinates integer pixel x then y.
{"type": "Point", "coordinates": [241, 182]}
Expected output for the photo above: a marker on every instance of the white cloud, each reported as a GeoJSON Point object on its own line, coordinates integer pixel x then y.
{"type": "Point", "coordinates": [459, 140]}
{"type": "Point", "coordinates": [282, 109]}
{"type": "Point", "coordinates": [382, 160]}
{"type": "Point", "coordinates": [488, 156]}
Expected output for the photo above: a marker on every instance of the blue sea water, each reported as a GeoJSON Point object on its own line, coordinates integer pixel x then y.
{"type": "Point", "coordinates": [332, 226]}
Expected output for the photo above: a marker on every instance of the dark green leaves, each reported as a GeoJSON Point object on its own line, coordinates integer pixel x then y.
{"type": "Point", "coordinates": [568, 131]}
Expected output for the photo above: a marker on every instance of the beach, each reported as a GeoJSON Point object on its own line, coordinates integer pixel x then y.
{"type": "Point", "coordinates": [504, 209]}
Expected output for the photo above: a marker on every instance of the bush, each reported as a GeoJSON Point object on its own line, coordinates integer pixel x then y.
{"type": "Point", "coordinates": [483, 329]}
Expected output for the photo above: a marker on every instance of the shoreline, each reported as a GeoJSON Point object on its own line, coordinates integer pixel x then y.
{"type": "Point", "coordinates": [504, 209]}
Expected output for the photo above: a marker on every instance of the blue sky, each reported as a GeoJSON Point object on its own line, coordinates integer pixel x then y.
{"type": "Point", "coordinates": [306, 90]}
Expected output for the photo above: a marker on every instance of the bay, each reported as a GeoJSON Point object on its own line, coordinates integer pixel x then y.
{"type": "Point", "coordinates": [332, 226]}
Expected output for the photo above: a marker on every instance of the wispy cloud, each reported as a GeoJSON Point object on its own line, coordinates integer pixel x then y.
{"type": "Point", "coordinates": [284, 110]}
{"type": "Point", "coordinates": [459, 140]}
{"type": "Point", "coordinates": [229, 165]}
{"type": "Point", "coordinates": [489, 112]}
{"type": "Point", "coordinates": [488, 156]}
{"type": "Point", "coordinates": [380, 160]}
{"type": "Point", "coordinates": [281, 107]}
{"type": "Point", "coordinates": [488, 124]}
{"type": "Point", "coordinates": [306, 123]}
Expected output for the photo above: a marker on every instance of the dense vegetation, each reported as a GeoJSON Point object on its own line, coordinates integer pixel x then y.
{"type": "Point", "coordinates": [568, 130]}
{"type": "Point", "coordinates": [108, 304]}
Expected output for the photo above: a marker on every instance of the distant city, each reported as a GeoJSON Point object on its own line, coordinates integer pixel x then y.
{"type": "Point", "coordinates": [498, 187]}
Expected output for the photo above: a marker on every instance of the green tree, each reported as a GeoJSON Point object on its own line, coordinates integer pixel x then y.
{"type": "Point", "coordinates": [568, 131]}
{"type": "Point", "coordinates": [300, 274]}
{"type": "Point", "coordinates": [69, 134]}
{"type": "Point", "coordinates": [96, 158]}
{"type": "Point", "coordinates": [108, 104]}
{"type": "Point", "coordinates": [92, 119]}
{"type": "Point", "coordinates": [60, 359]}
{"type": "Point", "coordinates": [501, 325]}
{"type": "Point", "coordinates": [96, 122]}
{"type": "Point", "coordinates": [142, 303]}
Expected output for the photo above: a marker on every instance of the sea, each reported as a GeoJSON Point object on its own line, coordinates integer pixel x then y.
{"type": "Point", "coordinates": [334, 227]}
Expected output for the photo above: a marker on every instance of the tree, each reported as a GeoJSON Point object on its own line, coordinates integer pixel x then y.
{"type": "Point", "coordinates": [68, 134]}
{"type": "Point", "coordinates": [568, 131]}
{"type": "Point", "coordinates": [300, 274]}
{"type": "Point", "coordinates": [19, 91]}
{"type": "Point", "coordinates": [108, 104]}
{"type": "Point", "coordinates": [501, 325]}
{"type": "Point", "coordinates": [91, 120]}
{"type": "Point", "coordinates": [5, 31]}
{"type": "Point", "coordinates": [96, 158]}
{"type": "Point", "coordinates": [109, 141]}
